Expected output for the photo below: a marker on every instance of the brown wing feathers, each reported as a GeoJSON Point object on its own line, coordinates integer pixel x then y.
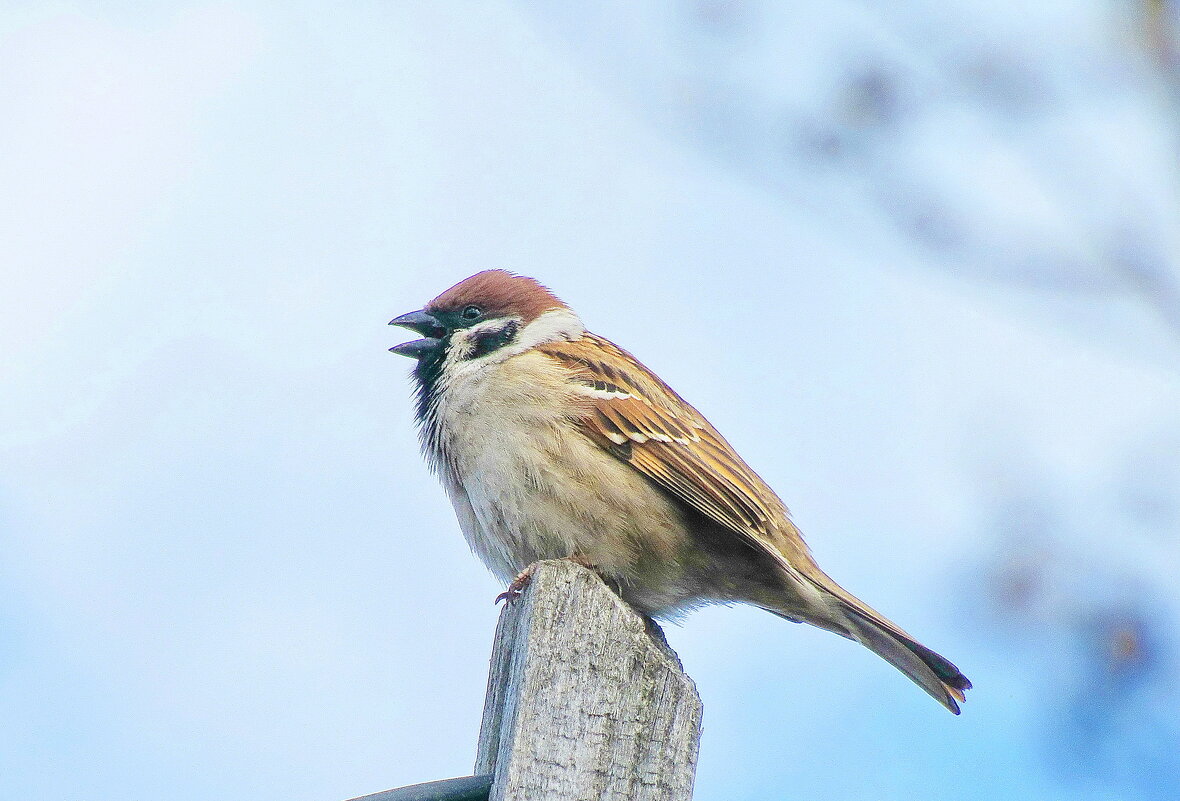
{"type": "Point", "coordinates": [666, 439]}
{"type": "Point", "coordinates": [642, 420]}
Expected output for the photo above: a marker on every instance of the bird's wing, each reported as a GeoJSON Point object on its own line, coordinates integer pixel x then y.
{"type": "Point", "coordinates": [641, 420]}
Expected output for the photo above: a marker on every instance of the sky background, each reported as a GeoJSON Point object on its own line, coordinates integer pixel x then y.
{"type": "Point", "coordinates": [919, 263]}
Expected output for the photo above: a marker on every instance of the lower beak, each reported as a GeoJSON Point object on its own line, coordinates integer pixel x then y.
{"type": "Point", "coordinates": [424, 323]}
{"type": "Point", "coordinates": [418, 348]}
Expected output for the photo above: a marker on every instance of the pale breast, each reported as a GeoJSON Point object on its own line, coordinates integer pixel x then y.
{"type": "Point", "coordinates": [527, 484]}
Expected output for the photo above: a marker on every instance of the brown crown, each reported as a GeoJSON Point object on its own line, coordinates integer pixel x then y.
{"type": "Point", "coordinates": [500, 293]}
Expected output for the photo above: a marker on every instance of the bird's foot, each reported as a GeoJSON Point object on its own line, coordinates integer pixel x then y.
{"type": "Point", "coordinates": [517, 586]}
{"type": "Point", "coordinates": [525, 576]}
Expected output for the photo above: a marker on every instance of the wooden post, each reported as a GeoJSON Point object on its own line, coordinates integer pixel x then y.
{"type": "Point", "coordinates": [583, 702]}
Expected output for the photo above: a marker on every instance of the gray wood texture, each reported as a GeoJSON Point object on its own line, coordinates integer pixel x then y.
{"type": "Point", "coordinates": [586, 701]}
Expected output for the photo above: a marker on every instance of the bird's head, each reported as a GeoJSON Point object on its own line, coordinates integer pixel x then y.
{"type": "Point", "coordinates": [492, 313]}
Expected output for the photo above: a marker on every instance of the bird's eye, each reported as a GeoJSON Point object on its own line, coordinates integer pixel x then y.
{"type": "Point", "coordinates": [471, 313]}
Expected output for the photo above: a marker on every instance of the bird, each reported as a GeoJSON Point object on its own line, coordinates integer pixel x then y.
{"type": "Point", "coordinates": [554, 443]}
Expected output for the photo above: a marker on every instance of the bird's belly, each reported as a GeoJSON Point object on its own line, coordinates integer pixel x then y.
{"type": "Point", "coordinates": [528, 485]}
{"type": "Point", "coordinates": [563, 496]}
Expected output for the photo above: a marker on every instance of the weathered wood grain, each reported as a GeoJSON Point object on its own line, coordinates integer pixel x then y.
{"type": "Point", "coordinates": [583, 703]}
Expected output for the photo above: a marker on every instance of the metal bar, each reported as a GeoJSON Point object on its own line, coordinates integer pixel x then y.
{"type": "Point", "coordinates": [464, 788]}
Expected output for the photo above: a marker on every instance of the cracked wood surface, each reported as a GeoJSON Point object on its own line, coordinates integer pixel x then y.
{"type": "Point", "coordinates": [585, 700]}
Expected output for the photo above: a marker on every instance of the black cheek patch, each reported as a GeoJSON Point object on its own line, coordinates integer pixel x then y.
{"type": "Point", "coordinates": [488, 341]}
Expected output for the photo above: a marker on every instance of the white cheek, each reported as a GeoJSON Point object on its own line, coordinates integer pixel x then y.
{"type": "Point", "coordinates": [552, 326]}
{"type": "Point", "coordinates": [464, 342]}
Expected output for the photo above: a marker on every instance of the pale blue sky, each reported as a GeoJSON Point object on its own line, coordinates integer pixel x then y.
{"type": "Point", "coordinates": [225, 571]}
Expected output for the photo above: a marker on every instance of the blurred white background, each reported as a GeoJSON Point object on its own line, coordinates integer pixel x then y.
{"type": "Point", "coordinates": [930, 255]}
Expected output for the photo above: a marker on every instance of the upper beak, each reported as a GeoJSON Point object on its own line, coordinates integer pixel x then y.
{"type": "Point", "coordinates": [421, 321]}
{"type": "Point", "coordinates": [424, 323]}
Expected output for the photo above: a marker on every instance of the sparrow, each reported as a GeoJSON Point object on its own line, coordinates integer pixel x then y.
{"type": "Point", "coordinates": [554, 443]}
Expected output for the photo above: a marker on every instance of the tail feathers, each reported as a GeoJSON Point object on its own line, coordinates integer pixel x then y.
{"type": "Point", "coordinates": [933, 673]}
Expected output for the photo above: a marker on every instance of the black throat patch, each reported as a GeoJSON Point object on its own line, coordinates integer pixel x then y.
{"type": "Point", "coordinates": [426, 376]}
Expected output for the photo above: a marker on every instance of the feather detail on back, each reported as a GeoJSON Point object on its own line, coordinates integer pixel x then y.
{"type": "Point", "coordinates": [642, 420]}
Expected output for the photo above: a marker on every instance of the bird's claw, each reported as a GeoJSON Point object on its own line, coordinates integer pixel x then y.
{"type": "Point", "coordinates": [508, 595]}
{"type": "Point", "coordinates": [525, 576]}
{"type": "Point", "coordinates": [517, 586]}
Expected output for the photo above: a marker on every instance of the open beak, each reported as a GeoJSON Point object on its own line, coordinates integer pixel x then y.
{"type": "Point", "coordinates": [427, 325]}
